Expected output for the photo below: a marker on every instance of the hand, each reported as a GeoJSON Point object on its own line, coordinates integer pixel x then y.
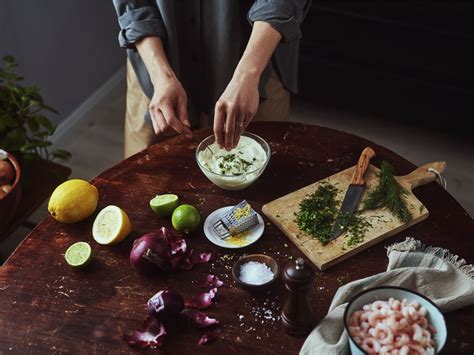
{"type": "Point", "coordinates": [168, 108]}
{"type": "Point", "coordinates": [235, 109]}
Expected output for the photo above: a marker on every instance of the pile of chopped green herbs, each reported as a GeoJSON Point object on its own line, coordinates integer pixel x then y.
{"type": "Point", "coordinates": [388, 193]}
{"type": "Point", "coordinates": [318, 213]}
{"type": "Point", "coordinates": [356, 226]}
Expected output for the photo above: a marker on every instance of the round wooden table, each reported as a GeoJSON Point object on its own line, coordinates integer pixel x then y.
{"type": "Point", "coordinates": [46, 306]}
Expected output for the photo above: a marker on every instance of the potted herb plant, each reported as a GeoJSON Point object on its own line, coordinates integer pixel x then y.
{"type": "Point", "coordinates": [24, 133]}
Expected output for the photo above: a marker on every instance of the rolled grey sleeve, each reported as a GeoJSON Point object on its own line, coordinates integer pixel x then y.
{"type": "Point", "coordinates": [285, 16]}
{"type": "Point", "coordinates": [138, 19]}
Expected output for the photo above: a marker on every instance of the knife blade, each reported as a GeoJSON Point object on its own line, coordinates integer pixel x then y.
{"type": "Point", "coordinates": [354, 191]}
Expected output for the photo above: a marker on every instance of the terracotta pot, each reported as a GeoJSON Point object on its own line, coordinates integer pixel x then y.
{"type": "Point", "coordinates": [9, 203]}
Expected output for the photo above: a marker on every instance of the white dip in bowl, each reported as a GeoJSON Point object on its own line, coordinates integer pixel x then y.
{"type": "Point", "coordinates": [235, 169]}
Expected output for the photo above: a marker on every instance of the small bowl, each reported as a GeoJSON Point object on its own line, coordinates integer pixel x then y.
{"type": "Point", "coordinates": [10, 202]}
{"type": "Point", "coordinates": [230, 182]}
{"type": "Point", "coordinates": [383, 293]}
{"type": "Point", "coordinates": [261, 258]}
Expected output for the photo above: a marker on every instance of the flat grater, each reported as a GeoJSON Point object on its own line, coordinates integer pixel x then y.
{"type": "Point", "coordinates": [236, 220]}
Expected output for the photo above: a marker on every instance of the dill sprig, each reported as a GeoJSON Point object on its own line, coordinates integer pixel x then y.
{"type": "Point", "coordinates": [388, 193]}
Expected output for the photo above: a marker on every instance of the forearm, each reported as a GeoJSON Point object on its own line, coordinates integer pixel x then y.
{"type": "Point", "coordinates": [153, 54]}
{"type": "Point", "coordinates": [262, 43]}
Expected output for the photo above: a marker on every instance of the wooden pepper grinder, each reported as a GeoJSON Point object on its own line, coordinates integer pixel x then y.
{"type": "Point", "coordinates": [297, 315]}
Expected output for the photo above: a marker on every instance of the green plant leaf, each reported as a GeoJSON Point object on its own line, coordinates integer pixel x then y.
{"type": "Point", "coordinates": [33, 124]}
{"type": "Point", "coordinates": [24, 129]}
{"type": "Point", "coordinates": [28, 147]}
{"type": "Point", "coordinates": [44, 144]}
{"type": "Point", "coordinates": [49, 108]}
{"type": "Point", "coordinates": [61, 154]}
{"type": "Point", "coordinates": [45, 122]}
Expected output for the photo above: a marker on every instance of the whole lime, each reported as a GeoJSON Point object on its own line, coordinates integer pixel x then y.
{"type": "Point", "coordinates": [185, 218]}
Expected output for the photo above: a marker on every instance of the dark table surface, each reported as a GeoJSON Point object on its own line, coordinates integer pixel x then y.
{"type": "Point", "coordinates": [48, 307]}
{"type": "Point", "coordinates": [39, 179]}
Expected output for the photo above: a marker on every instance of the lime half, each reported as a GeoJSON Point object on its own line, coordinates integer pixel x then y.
{"type": "Point", "coordinates": [79, 254]}
{"type": "Point", "coordinates": [164, 205]}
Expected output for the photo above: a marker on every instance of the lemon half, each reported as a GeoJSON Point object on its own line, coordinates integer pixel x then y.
{"type": "Point", "coordinates": [111, 226]}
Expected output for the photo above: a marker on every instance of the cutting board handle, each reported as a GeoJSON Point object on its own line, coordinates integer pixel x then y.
{"type": "Point", "coordinates": [421, 175]}
{"type": "Point", "coordinates": [364, 159]}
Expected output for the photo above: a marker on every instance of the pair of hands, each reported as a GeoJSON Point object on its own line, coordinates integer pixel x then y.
{"type": "Point", "coordinates": [233, 111]}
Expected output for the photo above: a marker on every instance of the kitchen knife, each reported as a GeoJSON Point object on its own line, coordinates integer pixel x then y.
{"type": "Point", "coordinates": [354, 191]}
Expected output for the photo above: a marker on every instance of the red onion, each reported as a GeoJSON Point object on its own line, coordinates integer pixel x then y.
{"type": "Point", "coordinates": [211, 281]}
{"type": "Point", "coordinates": [201, 301]}
{"type": "Point", "coordinates": [151, 335]}
{"type": "Point", "coordinates": [165, 303]}
{"type": "Point", "coordinates": [150, 252]}
{"type": "Point", "coordinates": [209, 336]}
{"type": "Point", "coordinates": [198, 319]}
{"type": "Point", "coordinates": [164, 250]}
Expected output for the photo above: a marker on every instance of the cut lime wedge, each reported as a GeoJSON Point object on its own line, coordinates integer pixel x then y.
{"type": "Point", "coordinates": [164, 205]}
{"type": "Point", "coordinates": [79, 254]}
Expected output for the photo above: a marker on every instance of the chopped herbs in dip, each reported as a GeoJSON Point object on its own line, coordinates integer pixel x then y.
{"type": "Point", "coordinates": [247, 157]}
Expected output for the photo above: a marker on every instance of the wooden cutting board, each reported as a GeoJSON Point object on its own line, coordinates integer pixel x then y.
{"type": "Point", "coordinates": [282, 213]}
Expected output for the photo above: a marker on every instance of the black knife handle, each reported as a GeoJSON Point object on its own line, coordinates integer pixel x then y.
{"type": "Point", "coordinates": [362, 165]}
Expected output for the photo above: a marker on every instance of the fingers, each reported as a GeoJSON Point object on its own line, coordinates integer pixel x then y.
{"type": "Point", "coordinates": [172, 121]}
{"type": "Point", "coordinates": [240, 125]}
{"type": "Point", "coordinates": [229, 128]}
{"type": "Point", "coordinates": [155, 120]}
{"type": "Point", "coordinates": [183, 111]}
{"type": "Point", "coordinates": [219, 119]}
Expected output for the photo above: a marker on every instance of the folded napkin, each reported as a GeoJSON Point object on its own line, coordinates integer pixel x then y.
{"type": "Point", "coordinates": [434, 272]}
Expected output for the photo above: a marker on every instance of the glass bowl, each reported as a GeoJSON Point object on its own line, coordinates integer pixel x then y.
{"type": "Point", "coordinates": [233, 182]}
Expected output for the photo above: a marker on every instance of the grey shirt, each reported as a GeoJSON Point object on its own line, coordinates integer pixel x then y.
{"type": "Point", "coordinates": [204, 40]}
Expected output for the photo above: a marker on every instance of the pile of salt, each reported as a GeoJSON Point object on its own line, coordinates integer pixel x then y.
{"type": "Point", "coordinates": [255, 273]}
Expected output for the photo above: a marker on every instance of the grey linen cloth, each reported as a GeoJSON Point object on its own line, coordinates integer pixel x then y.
{"type": "Point", "coordinates": [434, 272]}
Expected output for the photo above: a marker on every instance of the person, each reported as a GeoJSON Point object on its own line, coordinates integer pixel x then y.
{"type": "Point", "coordinates": [193, 62]}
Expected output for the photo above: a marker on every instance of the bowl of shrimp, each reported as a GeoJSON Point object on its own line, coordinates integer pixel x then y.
{"type": "Point", "coordinates": [394, 320]}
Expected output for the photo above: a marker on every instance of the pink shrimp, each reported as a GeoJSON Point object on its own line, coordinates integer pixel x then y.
{"type": "Point", "coordinates": [402, 340]}
{"type": "Point", "coordinates": [378, 305]}
{"type": "Point", "coordinates": [370, 345]}
{"type": "Point", "coordinates": [393, 327]}
{"type": "Point", "coordinates": [418, 349]}
{"type": "Point", "coordinates": [404, 350]}
{"type": "Point", "coordinates": [373, 317]}
{"type": "Point", "coordinates": [355, 317]}
{"type": "Point", "coordinates": [385, 334]}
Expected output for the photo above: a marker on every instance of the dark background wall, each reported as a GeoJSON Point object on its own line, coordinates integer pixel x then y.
{"type": "Point", "coordinates": [409, 61]}
{"type": "Point", "coordinates": [68, 48]}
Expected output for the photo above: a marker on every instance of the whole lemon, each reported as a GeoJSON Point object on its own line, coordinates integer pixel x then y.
{"type": "Point", "coordinates": [73, 201]}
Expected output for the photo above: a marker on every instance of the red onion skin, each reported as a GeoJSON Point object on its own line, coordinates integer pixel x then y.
{"type": "Point", "coordinates": [165, 304]}
{"type": "Point", "coordinates": [149, 253]}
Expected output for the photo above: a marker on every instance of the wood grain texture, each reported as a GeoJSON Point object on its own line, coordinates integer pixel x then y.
{"type": "Point", "coordinates": [361, 167]}
{"type": "Point", "coordinates": [47, 307]}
